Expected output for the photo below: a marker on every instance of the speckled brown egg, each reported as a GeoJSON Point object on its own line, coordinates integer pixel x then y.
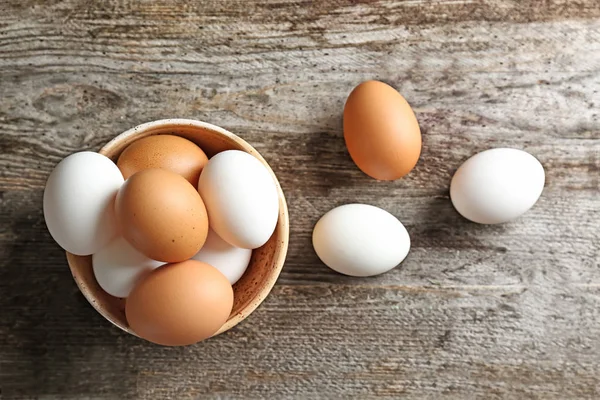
{"type": "Point", "coordinates": [180, 304]}
{"type": "Point", "coordinates": [173, 153]}
{"type": "Point", "coordinates": [162, 215]}
{"type": "Point", "coordinates": [381, 131]}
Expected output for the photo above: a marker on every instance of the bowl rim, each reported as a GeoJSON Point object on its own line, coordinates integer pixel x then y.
{"type": "Point", "coordinates": [130, 136]}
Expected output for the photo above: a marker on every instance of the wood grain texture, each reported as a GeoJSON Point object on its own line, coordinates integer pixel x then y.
{"type": "Point", "coordinates": [474, 312]}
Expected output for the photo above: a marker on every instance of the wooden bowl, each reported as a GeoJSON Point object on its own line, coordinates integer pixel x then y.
{"type": "Point", "coordinates": [266, 262]}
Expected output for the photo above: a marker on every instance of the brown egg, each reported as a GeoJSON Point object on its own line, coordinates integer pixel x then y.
{"type": "Point", "coordinates": [180, 304]}
{"type": "Point", "coordinates": [162, 215]}
{"type": "Point", "coordinates": [381, 131]}
{"type": "Point", "coordinates": [169, 152]}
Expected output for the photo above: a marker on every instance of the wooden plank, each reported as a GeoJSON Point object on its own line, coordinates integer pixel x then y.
{"type": "Point", "coordinates": [488, 312]}
{"type": "Point", "coordinates": [331, 340]}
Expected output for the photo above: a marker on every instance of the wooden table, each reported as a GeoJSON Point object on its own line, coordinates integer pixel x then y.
{"type": "Point", "coordinates": [474, 312]}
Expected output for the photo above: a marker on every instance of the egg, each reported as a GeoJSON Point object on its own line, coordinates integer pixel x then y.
{"type": "Point", "coordinates": [79, 202]}
{"type": "Point", "coordinates": [169, 152]}
{"type": "Point", "coordinates": [360, 240]}
{"type": "Point", "coordinates": [231, 261]}
{"type": "Point", "coordinates": [497, 185]}
{"type": "Point", "coordinates": [118, 267]}
{"type": "Point", "coordinates": [162, 215]}
{"type": "Point", "coordinates": [241, 198]}
{"type": "Point", "coordinates": [180, 304]}
{"type": "Point", "coordinates": [381, 131]}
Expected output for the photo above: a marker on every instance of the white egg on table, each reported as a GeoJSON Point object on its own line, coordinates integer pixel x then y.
{"type": "Point", "coordinates": [497, 185]}
{"type": "Point", "coordinates": [230, 260]}
{"type": "Point", "coordinates": [118, 267]}
{"type": "Point", "coordinates": [241, 198]}
{"type": "Point", "coordinates": [79, 202]}
{"type": "Point", "coordinates": [360, 240]}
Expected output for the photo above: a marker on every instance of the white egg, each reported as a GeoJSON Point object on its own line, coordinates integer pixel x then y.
{"type": "Point", "coordinates": [79, 202]}
{"type": "Point", "coordinates": [118, 267]}
{"type": "Point", "coordinates": [240, 197]}
{"type": "Point", "coordinates": [497, 185]}
{"type": "Point", "coordinates": [360, 240]}
{"type": "Point", "coordinates": [230, 260]}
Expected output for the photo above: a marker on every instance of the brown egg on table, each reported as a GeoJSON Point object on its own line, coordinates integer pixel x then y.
{"type": "Point", "coordinates": [162, 215]}
{"type": "Point", "coordinates": [180, 304]}
{"type": "Point", "coordinates": [381, 131]}
{"type": "Point", "coordinates": [169, 152]}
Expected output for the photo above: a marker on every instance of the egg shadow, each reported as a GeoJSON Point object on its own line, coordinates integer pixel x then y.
{"type": "Point", "coordinates": [331, 164]}
{"type": "Point", "coordinates": [437, 224]}
{"type": "Point", "coordinates": [437, 228]}
{"type": "Point", "coordinates": [50, 333]}
{"type": "Point", "coordinates": [329, 168]}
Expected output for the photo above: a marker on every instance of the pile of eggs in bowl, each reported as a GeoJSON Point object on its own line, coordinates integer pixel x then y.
{"type": "Point", "coordinates": [168, 229]}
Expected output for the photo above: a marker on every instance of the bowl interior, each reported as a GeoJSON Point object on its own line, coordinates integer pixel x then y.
{"type": "Point", "coordinates": [266, 262]}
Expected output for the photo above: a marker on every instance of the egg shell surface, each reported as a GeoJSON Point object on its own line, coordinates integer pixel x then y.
{"type": "Point", "coordinates": [118, 267]}
{"type": "Point", "coordinates": [230, 260]}
{"type": "Point", "coordinates": [497, 185]}
{"type": "Point", "coordinates": [360, 240]}
{"type": "Point", "coordinates": [170, 152]}
{"type": "Point", "coordinates": [79, 202]}
{"type": "Point", "coordinates": [180, 304]}
{"type": "Point", "coordinates": [241, 198]}
{"type": "Point", "coordinates": [162, 215]}
{"type": "Point", "coordinates": [381, 131]}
